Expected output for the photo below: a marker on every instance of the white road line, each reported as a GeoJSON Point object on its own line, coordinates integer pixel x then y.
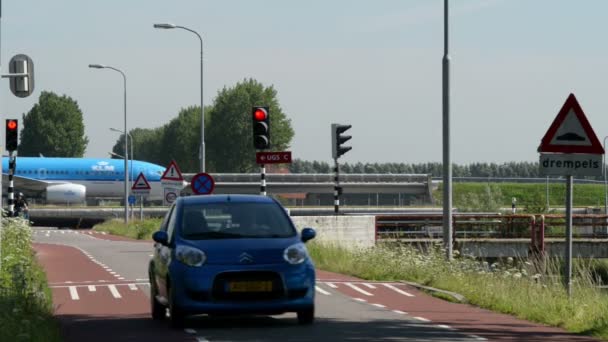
{"type": "Point", "coordinates": [478, 338]}
{"type": "Point", "coordinates": [74, 293]}
{"type": "Point", "coordinates": [114, 291]}
{"type": "Point", "coordinates": [379, 305]}
{"type": "Point", "coordinates": [120, 278]}
{"type": "Point", "coordinates": [360, 300]}
{"type": "Point", "coordinates": [112, 272]}
{"type": "Point", "coordinates": [133, 287]}
{"type": "Point", "coordinates": [422, 319]}
{"type": "Point", "coordinates": [332, 285]}
{"type": "Point", "coordinates": [398, 290]}
{"type": "Point", "coordinates": [399, 312]}
{"type": "Point", "coordinates": [358, 289]}
{"type": "Point", "coordinates": [92, 288]}
{"type": "Point", "coordinates": [369, 285]}
{"type": "Point", "coordinates": [141, 279]}
{"type": "Point", "coordinates": [69, 282]}
{"type": "Point", "coordinates": [320, 290]}
{"type": "Point", "coordinates": [445, 326]}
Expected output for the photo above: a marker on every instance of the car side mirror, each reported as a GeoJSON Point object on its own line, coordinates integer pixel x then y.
{"type": "Point", "coordinates": [161, 237]}
{"type": "Point", "coordinates": [307, 234]}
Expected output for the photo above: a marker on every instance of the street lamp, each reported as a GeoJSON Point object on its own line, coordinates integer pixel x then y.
{"type": "Point", "coordinates": [124, 78]}
{"type": "Point", "coordinates": [132, 155]}
{"type": "Point", "coordinates": [202, 147]}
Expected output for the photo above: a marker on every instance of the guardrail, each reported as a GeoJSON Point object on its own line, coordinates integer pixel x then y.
{"type": "Point", "coordinates": [494, 226]}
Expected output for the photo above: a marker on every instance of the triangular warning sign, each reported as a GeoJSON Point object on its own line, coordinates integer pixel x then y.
{"type": "Point", "coordinates": [141, 183]}
{"type": "Point", "coordinates": [571, 132]}
{"type": "Point", "coordinates": [172, 173]}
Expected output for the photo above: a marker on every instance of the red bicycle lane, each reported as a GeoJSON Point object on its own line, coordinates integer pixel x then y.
{"type": "Point", "coordinates": [92, 305]}
{"type": "Point", "coordinates": [464, 318]}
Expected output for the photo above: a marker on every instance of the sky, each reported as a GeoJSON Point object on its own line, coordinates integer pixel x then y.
{"type": "Point", "coordinates": [375, 65]}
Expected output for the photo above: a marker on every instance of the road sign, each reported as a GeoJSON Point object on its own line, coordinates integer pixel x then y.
{"type": "Point", "coordinates": [172, 177]}
{"type": "Point", "coordinates": [202, 184]}
{"type": "Point", "coordinates": [141, 185]}
{"type": "Point", "coordinates": [576, 164]}
{"type": "Point", "coordinates": [132, 199]}
{"type": "Point", "coordinates": [170, 195]}
{"type": "Point", "coordinates": [273, 157]}
{"type": "Point", "coordinates": [571, 132]}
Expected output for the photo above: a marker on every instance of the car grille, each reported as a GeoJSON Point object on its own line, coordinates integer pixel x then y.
{"type": "Point", "coordinates": [220, 286]}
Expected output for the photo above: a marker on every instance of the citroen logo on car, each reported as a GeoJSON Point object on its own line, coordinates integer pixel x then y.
{"type": "Point", "coordinates": [245, 258]}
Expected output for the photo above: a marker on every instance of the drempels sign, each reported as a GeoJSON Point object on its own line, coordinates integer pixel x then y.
{"type": "Point", "coordinates": [558, 164]}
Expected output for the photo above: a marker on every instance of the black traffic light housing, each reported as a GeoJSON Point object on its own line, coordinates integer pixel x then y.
{"type": "Point", "coordinates": [337, 139]}
{"type": "Point", "coordinates": [260, 116]}
{"type": "Point", "coordinates": [12, 134]}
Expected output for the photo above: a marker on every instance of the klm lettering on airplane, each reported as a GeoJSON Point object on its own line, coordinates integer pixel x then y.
{"type": "Point", "coordinates": [73, 180]}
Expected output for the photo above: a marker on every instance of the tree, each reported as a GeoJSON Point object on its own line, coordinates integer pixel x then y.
{"type": "Point", "coordinates": [53, 128]}
{"type": "Point", "coordinates": [146, 145]}
{"type": "Point", "coordinates": [229, 134]}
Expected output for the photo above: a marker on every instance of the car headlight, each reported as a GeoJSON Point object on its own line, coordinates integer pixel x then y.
{"type": "Point", "coordinates": [190, 256]}
{"type": "Point", "coordinates": [295, 254]}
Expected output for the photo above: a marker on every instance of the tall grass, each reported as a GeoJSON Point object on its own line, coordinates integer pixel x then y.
{"type": "Point", "coordinates": [25, 299]}
{"type": "Point", "coordinates": [529, 290]}
{"type": "Point", "coordinates": [140, 230]}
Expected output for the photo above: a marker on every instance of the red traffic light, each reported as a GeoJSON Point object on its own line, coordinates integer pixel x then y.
{"type": "Point", "coordinates": [260, 114]}
{"type": "Point", "coordinates": [11, 124]}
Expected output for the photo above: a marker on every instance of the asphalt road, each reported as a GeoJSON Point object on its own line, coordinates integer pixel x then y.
{"type": "Point", "coordinates": [101, 293]}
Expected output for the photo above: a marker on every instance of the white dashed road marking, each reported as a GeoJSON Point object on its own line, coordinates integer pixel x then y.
{"type": "Point", "coordinates": [320, 290]}
{"type": "Point", "coordinates": [92, 288]}
{"type": "Point", "coordinates": [398, 290]}
{"type": "Point", "coordinates": [370, 286]}
{"type": "Point", "coordinates": [133, 287]}
{"type": "Point", "coordinates": [114, 291]}
{"type": "Point", "coordinates": [332, 285]}
{"type": "Point", "coordinates": [358, 289]}
{"type": "Point", "coordinates": [74, 293]}
{"type": "Point", "coordinates": [422, 319]}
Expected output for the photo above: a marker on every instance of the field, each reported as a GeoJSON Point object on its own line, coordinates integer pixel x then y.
{"type": "Point", "coordinates": [532, 197]}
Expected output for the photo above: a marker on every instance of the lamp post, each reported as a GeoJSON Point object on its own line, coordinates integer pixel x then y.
{"type": "Point", "coordinates": [124, 78]}
{"type": "Point", "coordinates": [202, 147]}
{"type": "Point", "coordinates": [132, 155]}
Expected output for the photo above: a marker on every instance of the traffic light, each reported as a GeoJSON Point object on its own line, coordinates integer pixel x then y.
{"type": "Point", "coordinates": [12, 136]}
{"type": "Point", "coordinates": [261, 127]}
{"type": "Point", "coordinates": [337, 139]}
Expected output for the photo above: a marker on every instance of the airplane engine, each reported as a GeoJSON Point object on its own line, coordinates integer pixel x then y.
{"type": "Point", "coordinates": [66, 193]}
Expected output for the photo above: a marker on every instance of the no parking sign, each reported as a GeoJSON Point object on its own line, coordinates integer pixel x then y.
{"type": "Point", "coordinates": [202, 184]}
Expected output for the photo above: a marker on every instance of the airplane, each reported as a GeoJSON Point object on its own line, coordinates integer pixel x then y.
{"type": "Point", "coordinates": [75, 180]}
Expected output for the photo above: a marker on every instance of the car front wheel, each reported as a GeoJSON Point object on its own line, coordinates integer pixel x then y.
{"type": "Point", "coordinates": [158, 310]}
{"type": "Point", "coordinates": [175, 313]}
{"type": "Point", "coordinates": [306, 316]}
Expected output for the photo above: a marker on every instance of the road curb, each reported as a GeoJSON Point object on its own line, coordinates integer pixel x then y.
{"type": "Point", "coordinates": [457, 296]}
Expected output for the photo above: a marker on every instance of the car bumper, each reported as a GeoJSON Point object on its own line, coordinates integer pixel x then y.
{"type": "Point", "coordinates": [194, 290]}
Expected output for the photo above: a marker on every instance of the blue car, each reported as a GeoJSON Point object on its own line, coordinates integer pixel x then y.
{"type": "Point", "coordinates": [230, 254]}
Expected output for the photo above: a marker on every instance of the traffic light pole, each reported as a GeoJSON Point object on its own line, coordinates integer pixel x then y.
{"type": "Point", "coordinates": [337, 187]}
{"type": "Point", "coordinates": [262, 180]}
{"type": "Point", "coordinates": [10, 194]}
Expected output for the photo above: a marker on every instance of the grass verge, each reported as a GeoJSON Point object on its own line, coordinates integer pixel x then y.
{"type": "Point", "coordinates": [26, 310]}
{"type": "Point", "coordinates": [139, 230]}
{"type": "Point", "coordinates": [530, 291]}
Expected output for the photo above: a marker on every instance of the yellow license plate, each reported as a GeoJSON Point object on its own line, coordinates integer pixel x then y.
{"type": "Point", "coordinates": [250, 286]}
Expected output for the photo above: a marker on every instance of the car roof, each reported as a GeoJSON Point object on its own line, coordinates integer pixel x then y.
{"type": "Point", "coordinates": [202, 199]}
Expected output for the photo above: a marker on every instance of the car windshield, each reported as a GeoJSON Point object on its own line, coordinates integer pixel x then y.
{"type": "Point", "coordinates": [233, 220]}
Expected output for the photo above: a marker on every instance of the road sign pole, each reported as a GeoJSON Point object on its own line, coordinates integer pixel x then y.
{"type": "Point", "coordinates": [141, 208]}
{"type": "Point", "coordinates": [568, 257]}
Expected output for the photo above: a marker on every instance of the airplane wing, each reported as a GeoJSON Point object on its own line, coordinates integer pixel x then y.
{"type": "Point", "coordinates": [28, 185]}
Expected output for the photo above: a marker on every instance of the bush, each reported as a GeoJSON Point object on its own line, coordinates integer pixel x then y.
{"type": "Point", "coordinates": [25, 299]}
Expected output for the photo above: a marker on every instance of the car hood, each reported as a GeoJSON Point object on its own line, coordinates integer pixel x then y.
{"type": "Point", "coordinates": [244, 251]}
